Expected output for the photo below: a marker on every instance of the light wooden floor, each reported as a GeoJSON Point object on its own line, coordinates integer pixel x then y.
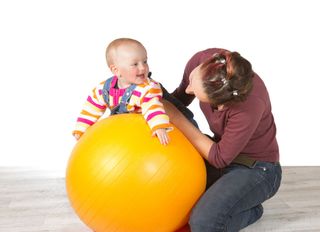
{"type": "Point", "coordinates": [36, 201]}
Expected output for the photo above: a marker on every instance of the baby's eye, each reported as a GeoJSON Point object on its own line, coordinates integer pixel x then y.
{"type": "Point", "coordinates": [145, 62]}
{"type": "Point", "coordinates": [135, 64]}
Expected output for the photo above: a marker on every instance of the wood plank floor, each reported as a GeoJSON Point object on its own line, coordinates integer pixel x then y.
{"type": "Point", "coordinates": [35, 201]}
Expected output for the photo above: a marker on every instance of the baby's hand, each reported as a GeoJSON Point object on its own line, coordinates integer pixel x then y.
{"type": "Point", "coordinates": [162, 136]}
{"type": "Point", "coordinates": [77, 136]}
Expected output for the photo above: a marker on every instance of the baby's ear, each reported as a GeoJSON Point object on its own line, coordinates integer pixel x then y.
{"type": "Point", "coordinates": [114, 69]}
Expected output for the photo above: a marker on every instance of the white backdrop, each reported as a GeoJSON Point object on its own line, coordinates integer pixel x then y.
{"type": "Point", "coordinates": [52, 55]}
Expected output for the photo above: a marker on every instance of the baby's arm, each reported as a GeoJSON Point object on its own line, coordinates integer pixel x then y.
{"type": "Point", "coordinates": [154, 113]}
{"type": "Point", "coordinates": [94, 107]}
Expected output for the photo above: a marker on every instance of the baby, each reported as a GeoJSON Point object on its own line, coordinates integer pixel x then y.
{"type": "Point", "coordinates": [130, 90]}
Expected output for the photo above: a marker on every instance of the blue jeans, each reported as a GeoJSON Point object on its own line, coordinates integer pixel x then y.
{"type": "Point", "coordinates": [233, 201]}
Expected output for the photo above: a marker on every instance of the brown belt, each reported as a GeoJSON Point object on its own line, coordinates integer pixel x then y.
{"type": "Point", "coordinates": [244, 160]}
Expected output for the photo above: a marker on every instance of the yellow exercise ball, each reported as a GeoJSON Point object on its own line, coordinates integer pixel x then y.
{"type": "Point", "coordinates": [121, 179]}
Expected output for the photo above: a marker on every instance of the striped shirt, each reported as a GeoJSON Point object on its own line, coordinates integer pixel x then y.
{"type": "Point", "coordinates": [145, 99]}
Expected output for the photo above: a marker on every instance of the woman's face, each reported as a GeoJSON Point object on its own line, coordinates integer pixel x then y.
{"type": "Point", "coordinates": [195, 86]}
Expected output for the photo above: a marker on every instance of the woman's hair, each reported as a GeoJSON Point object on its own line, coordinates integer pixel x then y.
{"type": "Point", "coordinates": [227, 78]}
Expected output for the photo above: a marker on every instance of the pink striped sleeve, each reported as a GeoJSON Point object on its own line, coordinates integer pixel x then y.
{"type": "Point", "coordinates": [153, 114]}
{"type": "Point", "coordinates": [86, 121]}
{"type": "Point", "coordinates": [152, 107]}
{"type": "Point", "coordinates": [93, 108]}
{"type": "Point", "coordinates": [102, 107]}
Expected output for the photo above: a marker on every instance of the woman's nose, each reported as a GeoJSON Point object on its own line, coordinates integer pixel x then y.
{"type": "Point", "coordinates": [189, 89]}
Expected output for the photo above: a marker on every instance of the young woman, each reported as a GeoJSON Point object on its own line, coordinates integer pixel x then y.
{"type": "Point", "coordinates": [242, 158]}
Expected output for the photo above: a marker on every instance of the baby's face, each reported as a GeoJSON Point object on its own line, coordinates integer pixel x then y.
{"type": "Point", "coordinates": [132, 64]}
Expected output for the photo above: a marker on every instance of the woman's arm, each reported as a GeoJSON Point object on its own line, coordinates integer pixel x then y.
{"type": "Point", "coordinates": [200, 141]}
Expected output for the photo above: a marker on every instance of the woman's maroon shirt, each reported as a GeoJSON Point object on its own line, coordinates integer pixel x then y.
{"type": "Point", "coordinates": [247, 127]}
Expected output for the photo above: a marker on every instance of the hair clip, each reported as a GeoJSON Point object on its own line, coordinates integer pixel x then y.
{"type": "Point", "coordinates": [224, 80]}
{"type": "Point", "coordinates": [235, 93]}
{"type": "Point", "coordinates": [220, 61]}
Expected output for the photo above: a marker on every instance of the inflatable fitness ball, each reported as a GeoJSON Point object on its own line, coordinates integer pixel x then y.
{"type": "Point", "coordinates": [121, 179]}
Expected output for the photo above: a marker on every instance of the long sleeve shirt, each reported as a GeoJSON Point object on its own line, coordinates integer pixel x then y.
{"type": "Point", "coordinates": [247, 127]}
{"type": "Point", "coordinates": [145, 99]}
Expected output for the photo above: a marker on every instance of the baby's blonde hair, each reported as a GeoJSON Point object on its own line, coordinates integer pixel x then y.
{"type": "Point", "coordinates": [112, 47]}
